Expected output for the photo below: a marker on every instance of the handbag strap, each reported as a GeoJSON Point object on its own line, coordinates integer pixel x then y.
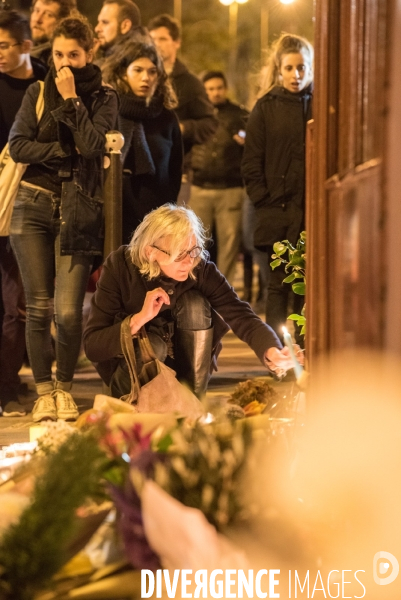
{"type": "Point", "coordinates": [145, 347]}
{"type": "Point", "coordinates": [40, 102]}
{"type": "Point", "coordinates": [129, 354]}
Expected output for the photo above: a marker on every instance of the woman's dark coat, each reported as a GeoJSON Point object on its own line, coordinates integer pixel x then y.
{"type": "Point", "coordinates": [273, 165]}
{"type": "Point", "coordinates": [121, 291]}
{"type": "Point", "coordinates": [82, 224]}
{"type": "Point", "coordinates": [145, 192]}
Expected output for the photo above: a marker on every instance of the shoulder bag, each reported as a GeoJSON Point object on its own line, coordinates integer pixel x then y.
{"type": "Point", "coordinates": [11, 174]}
{"type": "Point", "coordinates": [155, 389]}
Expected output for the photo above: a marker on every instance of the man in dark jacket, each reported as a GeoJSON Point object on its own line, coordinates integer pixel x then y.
{"type": "Point", "coordinates": [45, 14]}
{"type": "Point", "coordinates": [194, 111]}
{"type": "Point", "coordinates": [17, 71]}
{"type": "Point", "coordinates": [117, 20]}
{"type": "Point", "coordinates": [217, 192]}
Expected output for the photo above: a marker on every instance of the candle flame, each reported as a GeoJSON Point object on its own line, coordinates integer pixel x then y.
{"type": "Point", "coordinates": [285, 330]}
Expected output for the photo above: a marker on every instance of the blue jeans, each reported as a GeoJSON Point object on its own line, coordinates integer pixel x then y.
{"type": "Point", "coordinates": [192, 312]}
{"type": "Point", "coordinates": [53, 284]}
{"type": "Point", "coordinates": [248, 226]}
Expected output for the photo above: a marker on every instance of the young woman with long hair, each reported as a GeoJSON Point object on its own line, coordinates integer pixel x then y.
{"type": "Point", "coordinates": [152, 152]}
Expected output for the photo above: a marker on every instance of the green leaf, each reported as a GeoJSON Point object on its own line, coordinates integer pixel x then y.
{"type": "Point", "coordinates": [279, 248]}
{"type": "Point", "coordinates": [297, 260]}
{"type": "Point", "coordinates": [290, 278]}
{"type": "Point", "coordinates": [299, 288]}
{"type": "Point", "coordinates": [275, 263]}
{"type": "Point", "coordinates": [298, 318]}
{"type": "Point", "coordinates": [164, 443]}
{"type": "Point", "coordinates": [303, 330]}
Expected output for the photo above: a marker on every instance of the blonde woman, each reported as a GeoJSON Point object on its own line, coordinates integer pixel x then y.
{"type": "Point", "coordinates": [273, 164]}
{"type": "Point", "coordinates": [165, 281]}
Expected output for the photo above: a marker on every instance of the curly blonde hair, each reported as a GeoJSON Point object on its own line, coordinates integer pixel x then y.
{"type": "Point", "coordinates": [115, 69]}
{"type": "Point", "coordinates": [174, 225]}
{"type": "Point", "coordinates": [287, 43]}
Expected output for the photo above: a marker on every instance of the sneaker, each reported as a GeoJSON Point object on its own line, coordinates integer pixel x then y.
{"type": "Point", "coordinates": [14, 409]}
{"type": "Point", "coordinates": [66, 407]}
{"type": "Point", "coordinates": [44, 409]}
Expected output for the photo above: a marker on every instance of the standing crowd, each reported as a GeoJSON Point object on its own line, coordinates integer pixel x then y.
{"type": "Point", "coordinates": [195, 164]}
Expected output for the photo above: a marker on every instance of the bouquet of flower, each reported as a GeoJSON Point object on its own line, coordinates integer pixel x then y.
{"type": "Point", "coordinates": [199, 465]}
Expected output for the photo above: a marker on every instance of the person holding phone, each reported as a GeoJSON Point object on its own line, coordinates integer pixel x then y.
{"type": "Point", "coordinates": [57, 222]}
{"type": "Point", "coordinates": [217, 193]}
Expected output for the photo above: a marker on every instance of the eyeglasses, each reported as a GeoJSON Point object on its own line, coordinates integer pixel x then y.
{"type": "Point", "coordinates": [4, 46]}
{"type": "Point", "coordinates": [195, 252]}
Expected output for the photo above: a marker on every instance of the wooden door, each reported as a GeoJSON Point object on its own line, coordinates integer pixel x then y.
{"type": "Point", "coordinates": [345, 183]}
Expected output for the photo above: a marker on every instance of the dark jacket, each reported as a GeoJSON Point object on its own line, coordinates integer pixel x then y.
{"type": "Point", "coordinates": [216, 164]}
{"type": "Point", "coordinates": [194, 110]}
{"type": "Point", "coordinates": [145, 192]}
{"type": "Point", "coordinates": [82, 173]}
{"type": "Point", "coordinates": [273, 164]}
{"type": "Point", "coordinates": [121, 291]}
{"type": "Point", "coordinates": [12, 90]}
{"type": "Point", "coordinates": [42, 52]}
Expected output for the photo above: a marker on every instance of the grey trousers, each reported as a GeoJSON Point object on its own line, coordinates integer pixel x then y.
{"type": "Point", "coordinates": [222, 208]}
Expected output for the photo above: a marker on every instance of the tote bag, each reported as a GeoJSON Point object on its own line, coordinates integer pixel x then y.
{"type": "Point", "coordinates": [155, 389]}
{"type": "Point", "coordinates": [11, 174]}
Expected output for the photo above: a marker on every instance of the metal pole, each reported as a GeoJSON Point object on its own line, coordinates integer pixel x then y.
{"type": "Point", "coordinates": [232, 27]}
{"type": "Point", "coordinates": [232, 32]}
{"type": "Point", "coordinates": [264, 31]}
{"type": "Point", "coordinates": [178, 10]}
{"type": "Point", "coordinates": [112, 192]}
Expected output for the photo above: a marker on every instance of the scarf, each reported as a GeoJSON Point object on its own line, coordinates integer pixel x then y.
{"type": "Point", "coordinates": [88, 79]}
{"type": "Point", "coordinates": [136, 110]}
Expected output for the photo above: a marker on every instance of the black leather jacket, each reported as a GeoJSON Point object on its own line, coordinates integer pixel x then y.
{"type": "Point", "coordinates": [216, 163]}
{"type": "Point", "coordinates": [81, 210]}
{"type": "Point", "coordinates": [194, 110]}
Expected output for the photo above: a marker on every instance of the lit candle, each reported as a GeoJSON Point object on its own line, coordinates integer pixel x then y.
{"type": "Point", "coordinates": [288, 342]}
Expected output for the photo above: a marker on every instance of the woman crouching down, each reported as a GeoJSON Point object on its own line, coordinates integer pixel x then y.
{"type": "Point", "coordinates": [57, 222]}
{"type": "Point", "coordinates": [165, 281]}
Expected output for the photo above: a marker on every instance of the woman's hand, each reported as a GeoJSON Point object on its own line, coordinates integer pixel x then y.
{"type": "Point", "coordinates": [154, 300]}
{"type": "Point", "coordinates": [65, 83]}
{"type": "Point", "coordinates": [280, 361]}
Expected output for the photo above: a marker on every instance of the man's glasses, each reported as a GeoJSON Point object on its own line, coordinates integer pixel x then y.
{"type": "Point", "coordinates": [5, 46]}
{"type": "Point", "coordinates": [195, 252]}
